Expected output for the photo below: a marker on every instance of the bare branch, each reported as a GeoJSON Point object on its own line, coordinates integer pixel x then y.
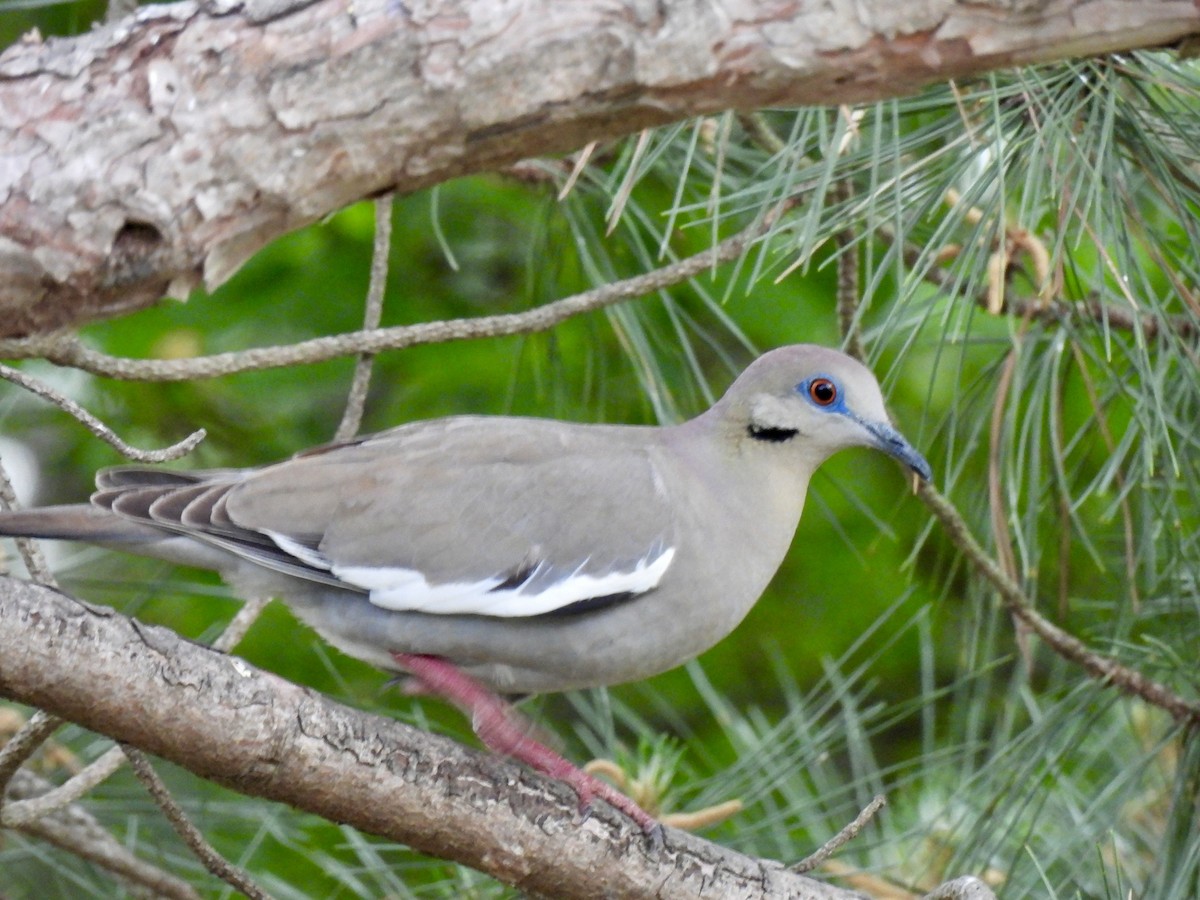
{"type": "Point", "coordinates": [23, 745]}
{"type": "Point", "coordinates": [74, 830]}
{"type": "Point", "coordinates": [1128, 681]}
{"type": "Point", "coordinates": [204, 851]}
{"type": "Point", "coordinates": [66, 350]}
{"type": "Point", "coordinates": [18, 815]}
{"type": "Point", "coordinates": [1051, 309]}
{"type": "Point", "coordinates": [356, 400]}
{"type": "Point", "coordinates": [258, 734]}
{"type": "Point", "coordinates": [246, 616]}
{"type": "Point", "coordinates": [1103, 668]}
{"type": "Point", "coordinates": [213, 153]}
{"type": "Point", "coordinates": [97, 427]}
{"type": "Point", "coordinates": [1097, 310]}
{"type": "Point", "coordinates": [843, 837]}
{"type": "Point", "coordinates": [30, 550]}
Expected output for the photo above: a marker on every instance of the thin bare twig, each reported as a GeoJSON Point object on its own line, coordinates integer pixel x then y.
{"type": "Point", "coordinates": [67, 350]}
{"type": "Point", "coordinates": [843, 837]}
{"type": "Point", "coordinates": [847, 280]}
{"type": "Point", "coordinates": [1114, 316]}
{"type": "Point", "coordinates": [204, 851]}
{"type": "Point", "coordinates": [23, 745]}
{"type": "Point", "coordinates": [19, 814]}
{"type": "Point", "coordinates": [1052, 308]}
{"type": "Point", "coordinates": [1103, 668]}
{"type": "Point", "coordinates": [356, 399]}
{"type": "Point", "coordinates": [240, 624]}
{"type": "Point", "coordinates": [30, 549]}
{"type": "Point", "coordinates": [95, 426]}
{"type": "Point", "coordinates": [74, 830]}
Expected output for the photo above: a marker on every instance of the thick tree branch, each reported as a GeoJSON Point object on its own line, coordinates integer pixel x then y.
{"type": "Point", "coordinates": [259, 734]}
{"type": "Point", "coordinates": [163, 150]}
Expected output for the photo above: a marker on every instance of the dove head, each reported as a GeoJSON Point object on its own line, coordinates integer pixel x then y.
{"type": "Point", "coordinates": [814, 401]}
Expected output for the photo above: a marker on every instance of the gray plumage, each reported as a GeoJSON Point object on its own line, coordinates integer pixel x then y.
{"type": "Point", "coordinates": [535, 555]}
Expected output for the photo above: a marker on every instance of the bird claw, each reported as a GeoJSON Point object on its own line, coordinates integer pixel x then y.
{"type": "Point", "coordinates": [585, 811]}
{"type": "Point", "coordinates": [652, 829]}
{"type": "Point", "coordinates": [587, 788]}
{"type": "Point", "coordinates": [500, 728]}
{"type": "Point", "coordinates": [657, 837]}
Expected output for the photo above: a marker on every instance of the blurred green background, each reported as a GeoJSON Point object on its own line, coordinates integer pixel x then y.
{"type": "Point", "coordinates": [877, 662]}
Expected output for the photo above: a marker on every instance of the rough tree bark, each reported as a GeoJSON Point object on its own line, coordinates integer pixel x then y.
{"type": "Point", "coordinates": [162, 151]}
{"type": "Point", "coordinates": [252, 731]}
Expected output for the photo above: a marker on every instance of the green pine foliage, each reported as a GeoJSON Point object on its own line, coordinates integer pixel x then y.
{"type": "Point", "coordinates": [1026, 247]}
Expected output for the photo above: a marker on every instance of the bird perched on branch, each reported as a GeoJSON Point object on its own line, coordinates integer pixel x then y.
{"type": "Point", "coordinates": [498, 556]}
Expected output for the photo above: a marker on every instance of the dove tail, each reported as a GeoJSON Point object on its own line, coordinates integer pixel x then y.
{"type": "Point", "coordinates": [79, 522]}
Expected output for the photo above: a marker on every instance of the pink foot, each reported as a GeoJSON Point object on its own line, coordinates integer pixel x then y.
{"type": "Point", "coordinates": [499, 726]}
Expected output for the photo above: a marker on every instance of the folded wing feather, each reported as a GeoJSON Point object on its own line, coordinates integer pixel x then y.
{"type": "Point", "coordinates": [489, 517]}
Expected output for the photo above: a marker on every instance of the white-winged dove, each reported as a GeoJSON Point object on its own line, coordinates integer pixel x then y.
{"type": "Point", "coordinates": [486, 556]}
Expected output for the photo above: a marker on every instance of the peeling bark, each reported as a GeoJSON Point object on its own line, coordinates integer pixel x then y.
{"type": "Point", "coordinates": [160, 152]}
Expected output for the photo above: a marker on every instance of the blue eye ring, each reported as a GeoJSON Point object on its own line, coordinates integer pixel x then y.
{"type": "Point", "coordinates": [823, 392]}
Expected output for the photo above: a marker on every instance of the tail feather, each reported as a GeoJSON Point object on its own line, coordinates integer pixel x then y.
{"type": "Point", "coordinates": [123, 477]}
{"type": "Point", "coordinates": [78, 522]}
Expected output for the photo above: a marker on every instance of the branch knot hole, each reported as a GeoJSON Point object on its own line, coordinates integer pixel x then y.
{"type": "Point", "coordinates": [135, 249]}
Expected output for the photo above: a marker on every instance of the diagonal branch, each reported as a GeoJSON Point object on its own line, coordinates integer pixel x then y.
{"type": "Point", "coordinates": [256, 733]}
{"type": "Point", "coordinates": [97, 427]}
{"type": "Point", "coordinates": [204, 851]}
{"type": "Point", "coordinates": [76, 831]}
{"type": "Point", "coordinates": [356, 399]}
{"type": "Point", "coordinates": [1104, 668]}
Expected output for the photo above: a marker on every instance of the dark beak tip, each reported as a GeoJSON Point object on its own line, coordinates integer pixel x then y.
{"type": "Point", "coordinates": [907, 454]}
{"type": "Point", "coordinates": [891, 442]}
{"type": "Point", "coordinates": [915, 462]}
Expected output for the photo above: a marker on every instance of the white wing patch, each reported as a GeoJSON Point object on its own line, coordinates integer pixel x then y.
{"type": "Point", "coordinates": [401, 589]}
{"type": "Point", "coordinates": [408, 590]}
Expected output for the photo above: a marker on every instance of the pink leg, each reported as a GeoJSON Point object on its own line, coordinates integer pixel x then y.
{"type": "Point", "coordinates": [499, 727]}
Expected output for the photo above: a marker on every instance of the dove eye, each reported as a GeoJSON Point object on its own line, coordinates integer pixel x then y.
{"type": "Point", "coordinates": [822, 392]}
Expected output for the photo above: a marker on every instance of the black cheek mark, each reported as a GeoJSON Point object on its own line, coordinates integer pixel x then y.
{"type": "Point", "coordinates": [772, 435]}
